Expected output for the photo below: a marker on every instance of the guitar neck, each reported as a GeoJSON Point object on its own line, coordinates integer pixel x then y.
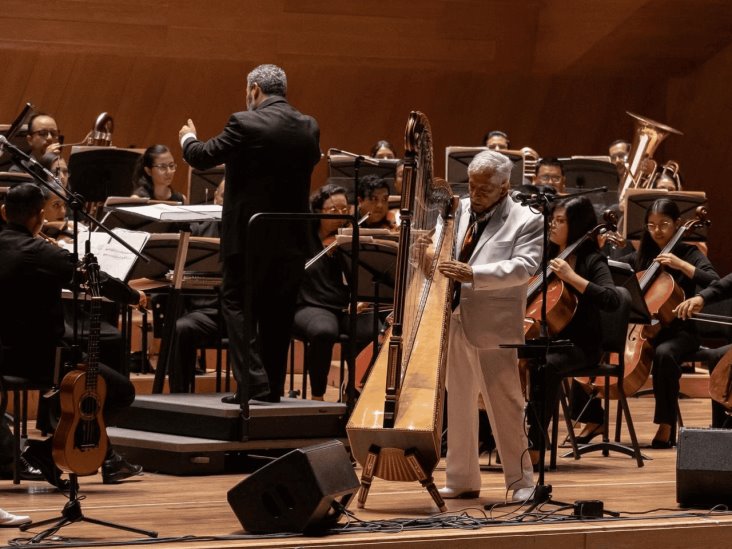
{"type": "Point", "coordinates": [93, 349]}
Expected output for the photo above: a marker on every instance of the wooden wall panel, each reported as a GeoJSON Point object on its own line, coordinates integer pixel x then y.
{"type": "Point", "coordinates": [557, 76]}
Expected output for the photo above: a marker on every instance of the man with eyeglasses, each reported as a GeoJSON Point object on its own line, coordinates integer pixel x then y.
{"type": "Point", "coordinates": [269, 151]}
{"type": "Point", "coordinates": [549, 171]}
{"type": "Point", "coordinates": [43, 136]}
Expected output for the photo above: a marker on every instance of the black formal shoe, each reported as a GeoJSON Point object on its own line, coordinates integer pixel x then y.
{"type": "Point", "coordinates": [116, 469]}
{"type": "Point", "coordinates": [230, 399]}
{"type": "Point", "coordinates": [37, 454]}
{"type": "Point", "coordinates": [661, 444]}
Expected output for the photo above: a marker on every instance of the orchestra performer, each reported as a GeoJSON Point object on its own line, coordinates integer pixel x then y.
{"type": "Point", "coordinates": [33, 272]}
{"type": "Point", "coordinates": [715, 292]}
{"type": "Point", "coordinates": [587, 275]}
{"type": "Point", "coordinates": [550, 172]}
{"type": "Point", "coordinates": [153, 176]}
{"type": "Point", "coordinates": [496, 140]}
{"type": "Point", "coordinates": [691, 270]}
{"type": "Point", "coordinates": [373, 199]}
{"type": "Point", "coordinates": [499, 249]}
{"type": "Point", "coordinates": [383, 149]}
{"type": "Point", "coordinates": [269, 151]}
{"type": "Point", "coordinates": [322, 304]}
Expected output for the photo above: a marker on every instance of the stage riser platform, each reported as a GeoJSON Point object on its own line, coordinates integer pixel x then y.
{"type": "Point", "coordinates": [205, 416]}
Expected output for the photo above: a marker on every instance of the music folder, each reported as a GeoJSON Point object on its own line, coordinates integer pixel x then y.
{"type": "Point", "coordinates": [377, 261]}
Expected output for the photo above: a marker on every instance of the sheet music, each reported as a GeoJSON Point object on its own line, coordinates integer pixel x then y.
{"type": "Point", "coordinates": [113, 258]}
{"type": "Point", "coordinates": [167, 212]}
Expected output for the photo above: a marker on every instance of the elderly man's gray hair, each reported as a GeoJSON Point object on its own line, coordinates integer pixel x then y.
{"type": "Point", "coordinates": [491, 162]}
{"type": "Point", "coordinates": [271, 79]}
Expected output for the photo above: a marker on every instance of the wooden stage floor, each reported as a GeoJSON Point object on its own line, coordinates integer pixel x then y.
{"type": "Point", "coordinates": [181, 507]}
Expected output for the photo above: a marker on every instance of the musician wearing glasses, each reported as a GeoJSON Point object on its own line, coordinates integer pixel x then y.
{"type": "Point", "coordinates": [322, 303]}
{"type": "Point", "coordinates": [154, 175]}
{"type": "Point", "coordinates": [691, 271]}
{"type": "Point", "coordinates": [549, 171]}
{"type": "Point", "coordinates": [43, 135]}
{"type": "Point", "coordinates": [498, 248]}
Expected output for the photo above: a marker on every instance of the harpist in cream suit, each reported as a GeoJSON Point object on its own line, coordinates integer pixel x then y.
{"type": "Point", "coordinates": [491, 308]}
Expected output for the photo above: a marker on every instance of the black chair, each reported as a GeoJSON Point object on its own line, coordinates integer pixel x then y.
{"type": "Point", "coordinates": [614, 333]}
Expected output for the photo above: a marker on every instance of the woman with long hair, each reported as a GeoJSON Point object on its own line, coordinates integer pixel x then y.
{"type": "Point", "coordinates": [586, 274]}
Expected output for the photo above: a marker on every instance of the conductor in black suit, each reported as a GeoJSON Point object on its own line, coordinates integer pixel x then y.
{"type": "Point", "coordinates": [269, 151]}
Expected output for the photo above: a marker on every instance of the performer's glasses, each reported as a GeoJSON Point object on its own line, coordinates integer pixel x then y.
{"type": "Point", "coordinates": [45, 133]}
{"type": "Point", "coordinates": [166, 167]}
{"type": "Point", "coordinates": [550, 178]}
{"type": "Point", "coordinates": [335, 210]}
{"type": "Point", "coordinates": [663, 226]}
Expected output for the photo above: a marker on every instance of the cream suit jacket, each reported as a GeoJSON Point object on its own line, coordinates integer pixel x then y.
{"type": "Point", "coordinates": [508, 253]}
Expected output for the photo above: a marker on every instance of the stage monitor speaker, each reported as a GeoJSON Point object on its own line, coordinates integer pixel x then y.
{"type": "Point", "coordinates": [305, 490]}
{"type": "Point", "coordinates": [703, 467]}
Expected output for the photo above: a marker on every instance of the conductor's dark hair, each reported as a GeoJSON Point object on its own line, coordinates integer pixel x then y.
{"type": "Point", "coordinates": [318, 198]}
{"type": "Point", "coordinates": [369, 184]}
{"type": "Point", "coordinates": [22, 202]}
{"type": "Point", "coordinates": [271, 79]}
{"type": "Point", "coordinates": [550, 161]}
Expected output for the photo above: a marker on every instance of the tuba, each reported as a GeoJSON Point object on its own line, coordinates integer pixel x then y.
{"type": "Point", "coordinates": [101, 134]}
{"type": "Point", "coordinates": [671, 170]}
{"type": "Point", "coordinates": [641, 167]}
{"type": "Point", "coordinates": [396, 426]}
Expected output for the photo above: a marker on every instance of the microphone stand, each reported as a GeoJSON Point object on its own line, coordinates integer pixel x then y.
{"type": "Point", "coordinates": [537, 349]}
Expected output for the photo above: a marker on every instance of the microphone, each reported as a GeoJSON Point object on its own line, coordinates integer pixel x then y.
{"type": "Point", "coordinates": [28, 159]}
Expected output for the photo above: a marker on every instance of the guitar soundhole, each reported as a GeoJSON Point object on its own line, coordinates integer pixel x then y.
{"type": "Point", "coordinates": [89, 406]}
{"type": "Point", "coordinates": [87, 433]}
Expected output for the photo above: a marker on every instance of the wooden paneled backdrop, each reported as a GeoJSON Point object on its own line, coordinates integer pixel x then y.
{"type": "Point", "coordinates": [556, 75]}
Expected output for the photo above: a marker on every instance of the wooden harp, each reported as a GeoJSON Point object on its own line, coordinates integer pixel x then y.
{"type": "Point", "coordinates": [396, 426]}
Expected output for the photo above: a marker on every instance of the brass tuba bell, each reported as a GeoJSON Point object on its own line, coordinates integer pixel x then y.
{"type": "Point", "coordinates": [101, 135]}
{"type": "Point", "coordinates": [641, 167]}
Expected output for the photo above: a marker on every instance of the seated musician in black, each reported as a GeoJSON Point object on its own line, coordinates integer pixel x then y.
{"type": "Point", "coordinates": [373, 199]}
{"type": "Point", "coordinates": [715, 292]}
{"type": "Point", "coordinates": [587, 275]}
{"type": "Point", "coordinates": [32, 274]}
{"type": "Point", "coordinates": [322, 303]}
{"type": "Point", "coordinates": [691, 271]}
{"type": "Point", "coordinates": [153, 175]}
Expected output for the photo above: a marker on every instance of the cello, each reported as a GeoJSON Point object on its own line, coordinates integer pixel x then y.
{"type": "Point", "coordinates": [396, 426]}
{"type": "Point", "coordinates": [80, 442]}
{"type": "Point", "coordinates": [662, 295]}
{"type": "Point", "coordinates": [561, 303]}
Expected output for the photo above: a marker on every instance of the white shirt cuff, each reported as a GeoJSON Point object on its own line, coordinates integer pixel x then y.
{"type": "Point", "coordinates": [186, 137]}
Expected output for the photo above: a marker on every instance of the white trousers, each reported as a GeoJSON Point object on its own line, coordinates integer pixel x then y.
{"type": "Point", "coordinates": [494, 374]}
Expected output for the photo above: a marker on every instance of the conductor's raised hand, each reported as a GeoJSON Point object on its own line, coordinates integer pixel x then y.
{"type": "Point", "coordinates": [188, 127]}
{"type": "Point", "coordinates": [456, 270]}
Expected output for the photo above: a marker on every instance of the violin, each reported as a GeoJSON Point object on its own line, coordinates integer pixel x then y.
{"type": "Point", "coordinates": [561, 303]}
{"type": "Point", "coordinates": [329, 242]}
{"type": "Point", "coordinates": [662, 295]}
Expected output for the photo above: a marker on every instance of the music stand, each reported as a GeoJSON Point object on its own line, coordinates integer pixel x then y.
{"type": "Point", "coordinates": [16, 133]}
{"type": "Point", "coordinates": [100, 172]}
{"type": "Point", "coordinates": [637, 201]}
{"type": "Point", "coordinates": [203, 255]}
{"type": "Point", "coordinates": [342, 165]}
{"type": "Point", "coordinates": [202, 184]}
{"type": "Point", "coordinates": [376, 261]}
{"type": "Point", "coordinates": [624, 277]}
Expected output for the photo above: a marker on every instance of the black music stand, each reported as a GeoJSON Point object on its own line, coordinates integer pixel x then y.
{"type": "Point", "coordinates": [376, 275]}
{"type": "Point", "coordinates": [637, 201]}
{"type": "Point", "coordinates": [202, 255]}
{"type": "Point", "coordinates": [16, 133]}
{"type": "Point", "coordinates": [202, 184]}
{"type": "Point", "coordinates": [100, 172]}
{"type": "Point", "coordinates": [343, 165]}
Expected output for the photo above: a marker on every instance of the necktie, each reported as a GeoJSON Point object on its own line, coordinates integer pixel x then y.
{"type": "Point", "coordinates": [470, 241]}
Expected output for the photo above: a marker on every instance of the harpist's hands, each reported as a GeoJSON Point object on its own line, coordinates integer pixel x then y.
{"type": "Point", "coordinates": [686, 309]}
{"type": "Point", "coordinates": [188, 127]}
{"type": "Point", "coordinates": [456, 270]}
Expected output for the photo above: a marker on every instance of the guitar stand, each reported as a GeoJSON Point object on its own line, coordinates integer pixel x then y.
{"type": "Point", "coordinates": [72, 513]}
